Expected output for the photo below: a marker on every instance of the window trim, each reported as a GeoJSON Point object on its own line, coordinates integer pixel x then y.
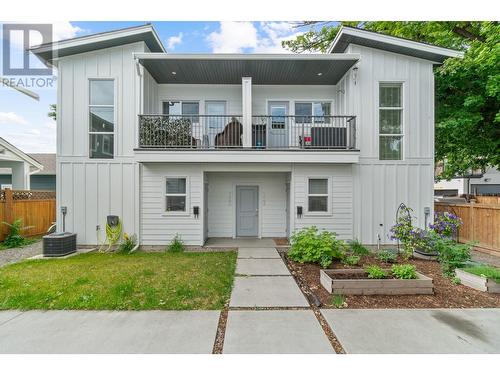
{"type": "Point", "coordinates": [401, 108]}
{"type": "Point", "coordinates": [187, 209]}
{"type": "Point", "coordinates": [312, 101]}
{"type": "Point", "coordinates": [328, 195]}
{"type": "Point", "coordinates": [115, 114]}
{"type": "Point", "coordinates": [181, 101]}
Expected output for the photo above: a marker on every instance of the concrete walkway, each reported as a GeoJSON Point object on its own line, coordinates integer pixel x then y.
{"type": "Point", "coordinates": [415, 331]}
{"type": "Point", "coordinates": [103, 332]}
{"type": "Point", "coordinates": [263, 281]}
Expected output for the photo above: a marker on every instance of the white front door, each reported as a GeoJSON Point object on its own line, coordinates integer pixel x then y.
{"type": "Point", "coordinates": [247, 211]}
{"type": "Point", "coordinates": [277, 127]}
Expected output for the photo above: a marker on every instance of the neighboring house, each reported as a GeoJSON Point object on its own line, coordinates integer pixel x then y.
{"type": "Point", "coordinates": [43, 180]}
{"type": "Point", "coordinates": [230, 145]}
{"type": "Point", "coordinates": [16, 167]}
{"type": "Point", "coordinates": [478, 183]}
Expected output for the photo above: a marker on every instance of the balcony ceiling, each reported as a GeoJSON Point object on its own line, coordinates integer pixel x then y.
{"type": "Point", "coordinates": [275, 69]}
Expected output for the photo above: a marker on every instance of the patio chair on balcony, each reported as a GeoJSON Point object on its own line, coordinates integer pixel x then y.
{"type": "Point", "coordinates": [231, 135]}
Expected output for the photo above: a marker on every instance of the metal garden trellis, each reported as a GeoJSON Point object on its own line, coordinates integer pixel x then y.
{"type": "Point", "coordinates": [403, 211]}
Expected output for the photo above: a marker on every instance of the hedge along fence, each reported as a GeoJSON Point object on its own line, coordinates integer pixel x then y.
{"type": "Point", "coordinates": [481, 223]}
{"type": "Point", "coordinates": [37, 209]}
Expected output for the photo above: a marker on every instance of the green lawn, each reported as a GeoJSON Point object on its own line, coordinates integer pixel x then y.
{"type": "Point", "coordinates": [140, 281]}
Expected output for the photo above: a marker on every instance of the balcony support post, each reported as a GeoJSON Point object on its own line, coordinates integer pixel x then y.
{"type": "Point", "coordinates": [246, 96]}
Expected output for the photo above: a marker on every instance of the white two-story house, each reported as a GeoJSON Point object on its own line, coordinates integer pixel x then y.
{"type": "Point", "coordinates": [243, 145]}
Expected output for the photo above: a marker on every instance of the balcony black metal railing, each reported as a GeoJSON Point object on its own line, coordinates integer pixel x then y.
{"type": "Point", "coordinates": [204, 132]}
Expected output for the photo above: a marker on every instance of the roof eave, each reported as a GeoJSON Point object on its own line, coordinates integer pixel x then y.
{"type": "Point", "coordinates": [392, 40]}
{"type": "Point", "coordinates": [51, 49]}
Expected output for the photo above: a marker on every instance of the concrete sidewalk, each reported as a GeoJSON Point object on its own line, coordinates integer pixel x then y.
{"type": "Point", "coordinates": [414, 331]}
{"type": "Point", "coordinates": [103, 332]}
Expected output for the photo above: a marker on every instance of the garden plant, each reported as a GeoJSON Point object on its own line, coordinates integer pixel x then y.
{"type": "Point", "coordinates": [311, 245]}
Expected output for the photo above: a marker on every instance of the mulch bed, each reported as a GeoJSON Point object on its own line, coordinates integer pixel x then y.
{"type": "Point", "coordinates": [446, 295]}
{"type": "Point", "coordinates": [281, 241]}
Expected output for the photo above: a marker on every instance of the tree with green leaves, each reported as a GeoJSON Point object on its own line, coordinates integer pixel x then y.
{"type": "Point", "coordinates": [467, 90]}
{"type": "Point", "coordinates": [53, 112]}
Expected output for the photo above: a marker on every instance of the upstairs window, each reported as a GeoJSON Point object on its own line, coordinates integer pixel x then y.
{"type": "Point", "coordinates": [182, 108]}
{"type": "Point", "coordinates": [101, 118]}
{"type": "Point", "coordinates": [175, 194]}
{"type": "Point", "coordinates": [304, 111]}
{"type": "Point", "coordinates": [318, 195]}
{"type": "Point", "coordinates": [390, 121]}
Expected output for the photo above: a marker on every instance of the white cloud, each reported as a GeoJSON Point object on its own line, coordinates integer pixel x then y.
{"type": "Point", "coordinates": [32, 138]}
{"type": "Point", "coordinates": [233, 37]}
{"type": "Point", "coordinates": [238, 37]}
{"type": "Point", "coordinates": [65, 30]}
{"type": "Point", "coordinates": [11, 118]}
{"type": "Point", "coordinates": [174, 40]}
{"type": "Point", "coordinates": [273, 33]}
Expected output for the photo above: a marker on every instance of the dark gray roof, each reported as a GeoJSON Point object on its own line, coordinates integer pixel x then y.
{"type": "Point", "coordinates": [265, 69]}
{"type": "Point", "coordinates": [48, 161]}
{"type": "Point", "coordinates": [351, 35]}
{"type": "Point", "coordinates": [145, 33]}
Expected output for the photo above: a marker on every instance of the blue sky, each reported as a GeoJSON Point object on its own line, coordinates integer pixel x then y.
{"type": "Point", "coordinates": [24, 121]}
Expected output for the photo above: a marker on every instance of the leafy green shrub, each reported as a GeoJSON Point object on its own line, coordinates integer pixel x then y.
{"type": "Point", "coordinates": [310, 245]}
{"type": "Point", "coordinates": [485, 271]}
{"type": "Point", "coordinates": [338, 300]}
{"type": "Point", "coordinates": [375, 272]}
{"type": "Point", "coordinates": [351, 260]}
{"type": "Point", "coordinates": [358, 249]}
{"type": "Point", "coordinates": [404, 271]}
{"type": "Point", "coordinates": [451, 254]}
{"type": "Point", "coordinates": [14, 238]}
{"type": "Point", "coordinates": [456, 281]}
{"type": "Point", "coordinates": [176, 246]}
{"type": "Point", "coordinates": [128, 243]}
{"type": "Point", "coordinates": [387, 256]}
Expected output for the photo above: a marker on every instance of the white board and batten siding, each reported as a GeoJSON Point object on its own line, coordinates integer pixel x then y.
{"type": "Point", "coordinates": [381, 185]}
{"type": "Point", "coordinates": [91, 189]}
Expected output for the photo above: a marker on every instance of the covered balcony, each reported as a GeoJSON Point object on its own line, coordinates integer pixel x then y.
{"type": "Point", "coordinates": [225, 132]}
{"type": "Point", "coordinates": [243, 102]}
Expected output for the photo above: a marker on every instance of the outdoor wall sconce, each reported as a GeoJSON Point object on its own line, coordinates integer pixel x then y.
{"type": "Point", "coordinates": [299, 211]}
{"type": "Point", "coordinates": [196, 211]}
{"type": "Point", "coordinates": [355, 74]}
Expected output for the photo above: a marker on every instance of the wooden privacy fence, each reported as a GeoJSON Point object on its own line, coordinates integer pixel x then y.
{"type": "Point", "coordinates": [481, 223]}
{"type": "Point", "coordinates": [37, 209]}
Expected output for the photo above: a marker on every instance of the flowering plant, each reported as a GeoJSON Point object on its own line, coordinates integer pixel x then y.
{"type": "Point", "coordinates": [403, 231]}
{"type": "Point", "coordinates": [445, 224]}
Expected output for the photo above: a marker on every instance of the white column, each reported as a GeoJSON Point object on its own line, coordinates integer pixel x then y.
{"type": "Point", "coordinates": [20, 176]}
{"type": "Point", "coordinates": [246, 98]}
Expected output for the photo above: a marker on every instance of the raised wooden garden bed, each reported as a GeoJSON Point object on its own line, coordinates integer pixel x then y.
{"type": "Point", "coordinates": [337, 282]}
{"type": "Point", "coordinates": [477, 282]}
